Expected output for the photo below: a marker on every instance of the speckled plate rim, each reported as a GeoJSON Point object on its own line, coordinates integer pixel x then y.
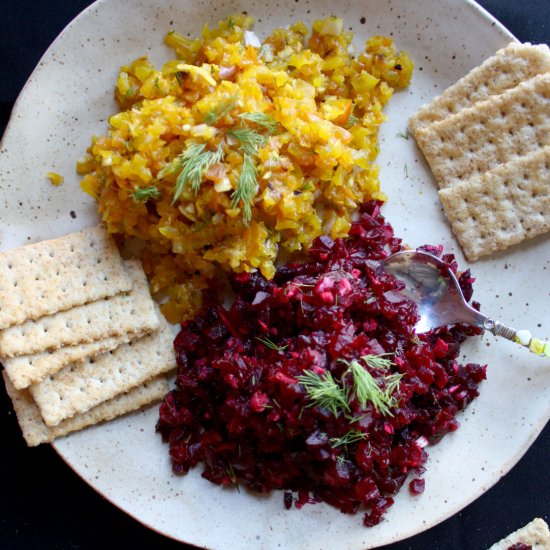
{"type": "Point", "coordinates": [497, 475]}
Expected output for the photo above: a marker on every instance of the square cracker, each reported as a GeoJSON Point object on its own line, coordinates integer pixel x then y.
{"type": "Point", "coordinates": [478, 139]}
{"type": "Point", "coordinates": [78, 388]}
{"type": "Point", "coordinates": [502, 207]}
{"type": "Point", "coordinates": [49, 276]}
{"type": "Point", "coordinates": [505, 70]}
{"type": "Point", "coordinates": [24, 370]}
{"type": "Point", "coordinates": [535, 534]}
{"type": "Point", "coordinates": [36, 432]}
{"type": "Point", "coordinates": [125, 313]}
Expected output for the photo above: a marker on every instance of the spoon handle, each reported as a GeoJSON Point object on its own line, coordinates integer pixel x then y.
{"type": "Point", "coordinates": [522, 337]}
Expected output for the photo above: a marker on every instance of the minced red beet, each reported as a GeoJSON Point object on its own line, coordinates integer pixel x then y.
{"type": "Point", "coordinates": [520, 546]}
{"type": "Point", "coordinates": [241, 408]}
{"type": "Point", "coordinates": [417, 486]}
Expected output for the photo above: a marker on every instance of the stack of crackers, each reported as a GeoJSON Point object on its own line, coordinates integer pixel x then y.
{"type": "Point", "coordinates": [81, 339]}
{"type": "Point", "coordinates": [487, 140]}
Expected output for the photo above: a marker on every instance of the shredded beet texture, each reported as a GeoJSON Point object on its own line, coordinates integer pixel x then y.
{"type": "Point", "coordinates": [240, 410]}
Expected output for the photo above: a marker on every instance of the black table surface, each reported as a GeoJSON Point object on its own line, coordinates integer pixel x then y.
{"type": "Point", "coordinates": [45, 505]}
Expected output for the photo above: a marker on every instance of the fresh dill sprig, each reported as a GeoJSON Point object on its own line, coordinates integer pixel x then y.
{"type": "Point", "coordinates": [219, 112]}
{"type": "Point", "coordinates": [404, 135]}
{"type": "Point", "coordinates": [195, 160]}
{"type": "Point", "coordinates": [353, 436]}
{"type": "Point", "coordinates": [250, 140]}
{"type": "Point", "coordinates": [261, 119]}
{"type": "Point", "coordinates": [247, 186]}
{"type": "Point", "coordinates": [142, 194]}
{"type": "Point", "coordinates": [368, 389]}
{"type": "Point", "coordinates": [337, 396]}
{"type": "Point", "coordinates": [324, 391]}
{"type": "Point", "coordinates": [192, 162]}
{"type": "Point", "coordinates": [378, 361]}
{"type": "Point", "coordinates": [270, 344]}
{"type": "Point", "coordinates": [392, 384]}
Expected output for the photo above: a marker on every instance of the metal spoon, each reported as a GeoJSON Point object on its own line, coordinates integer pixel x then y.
{"type": "Point", "coordinates": [435, 289]}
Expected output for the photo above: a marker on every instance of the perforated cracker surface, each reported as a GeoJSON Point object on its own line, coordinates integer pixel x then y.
{"type": "Point", "coordinates": [502, 207]}
{"type": "Point", "coordinates": [51, 276]}
{"type": "Point", "coordinates": [25, 370]}
{"type": "Point", "coordinates": [36, 432]}
{"type": "Point", "coordinates": [78, 388]}
{"type": "Point", "coordinates": [132, 312]}
{"type": "Point", "coordinates": [506, 69]}
{"type": "Point", "coordinates": [499, 130]}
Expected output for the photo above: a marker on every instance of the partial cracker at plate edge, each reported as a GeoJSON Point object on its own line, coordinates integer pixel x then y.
{"type": "Point", "coordinates": [527, 60]}
{"type": "Point", "coordinates": [535, 534]}
{"type": "Point", "coordinates": [132, 312]}
{"type": "Point", "coordinates": [502, 207]}
{"type": "Point", "coordinates": [24, 370]}
{"type": "Point", "coordinates": [53, 275]}
{"type": "Point", "coordinates": [507, 126]}
{"type": "Point", "coordinates": [36, 432]}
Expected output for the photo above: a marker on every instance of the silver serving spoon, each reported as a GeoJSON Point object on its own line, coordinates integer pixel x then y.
{"type": "Point", "coordinates": [435, 289]}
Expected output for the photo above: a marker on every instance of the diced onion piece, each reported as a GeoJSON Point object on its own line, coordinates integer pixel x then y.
{"type": "Point", "coordinates": [250, 39]}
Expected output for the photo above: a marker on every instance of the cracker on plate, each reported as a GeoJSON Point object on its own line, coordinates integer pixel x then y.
{"type": "Point", "coordinates": [36, 432]}
{"type": "Point", "coordinates": [498, 130]}
{"type": "Point", "coordinates": [24, 370]}
{"type": "Point", "coordinates": [505, 70]}
{"type": "Point", "coordinates": [534, 534]}
{"type": "Point", "coordinates": [50, 276]}
{"type": "Point", "coordinates": [77, 388]}
{"type": "Point", "coordinates": [130, 312]}
{"type": "Point", "coordinates": [502, 207]}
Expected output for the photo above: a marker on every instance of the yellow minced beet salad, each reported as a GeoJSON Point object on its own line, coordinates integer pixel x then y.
{"type": "Point", "coordinates": [239, 149]}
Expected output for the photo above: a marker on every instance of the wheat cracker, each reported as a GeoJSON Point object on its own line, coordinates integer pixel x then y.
{"type": "Point", "coordinates": [24, 370]}
{"type": "Point", "coordinates": [131, 312]}
{"type": "Point", "coordinates": [36, 432]}
{"type": "Point", "coordinates": [78, 388]}
{"type": "Point", "coordinates": [492, 132]}
{"type": "Point", "coordinates": [505, 70]}
{"type": "Point", "coordinates": [50, 276]}
{"type": "Point", "coordinates": [535, 534]}
{"type": "Point", "coordinates": [502, 207]}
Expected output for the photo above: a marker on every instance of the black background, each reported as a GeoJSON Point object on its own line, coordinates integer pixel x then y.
{"type": "Point", "coordinates": [45, 505]}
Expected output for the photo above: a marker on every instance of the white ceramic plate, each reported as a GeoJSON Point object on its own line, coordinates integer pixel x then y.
{"type": "Point", "coordinates": [68, 99]}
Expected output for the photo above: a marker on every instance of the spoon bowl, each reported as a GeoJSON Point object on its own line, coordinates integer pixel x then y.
{"type": "Point", "coordinates": [435, 289]}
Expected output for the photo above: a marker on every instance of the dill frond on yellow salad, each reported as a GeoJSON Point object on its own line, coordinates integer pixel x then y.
{"type": "Point", "coordinates": [239, 149]}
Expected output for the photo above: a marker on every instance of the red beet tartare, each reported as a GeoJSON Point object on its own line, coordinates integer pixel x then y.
{"type": "Point", "coordinates": [315, 382]}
